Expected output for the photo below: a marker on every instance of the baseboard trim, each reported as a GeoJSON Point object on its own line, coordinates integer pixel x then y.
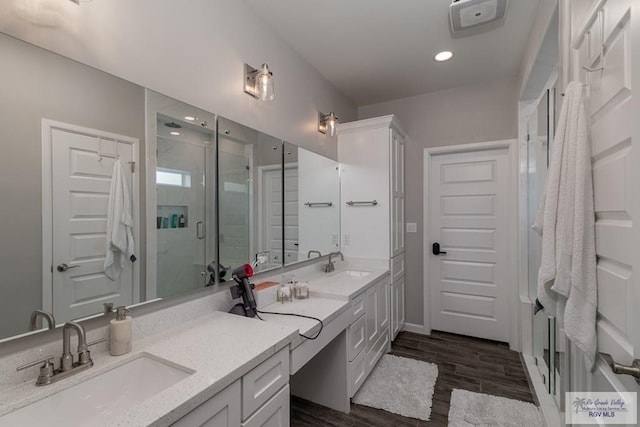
{"type": "Point", "coordinates": [547, 404]}
{"type": "Point", "coordinates": [415, 328]}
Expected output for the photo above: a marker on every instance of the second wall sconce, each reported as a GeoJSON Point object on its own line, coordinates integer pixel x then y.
{"type": "Point", "coordinates": [328, 123]}
{"type": "Point", "coordinates": [259, 83]}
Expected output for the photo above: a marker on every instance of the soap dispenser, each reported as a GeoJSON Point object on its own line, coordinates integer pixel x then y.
{"type": "Point", "coordinates": [120, 333]}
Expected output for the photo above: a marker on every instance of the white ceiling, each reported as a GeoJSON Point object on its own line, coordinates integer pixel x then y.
{"type": "Point", "coordinates": [378, 50]}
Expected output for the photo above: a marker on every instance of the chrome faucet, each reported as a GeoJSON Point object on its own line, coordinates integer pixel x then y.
{"type": "Point", "coordinates": [66, 361]}
{"type": "Point", "coordinates": [313, 251]}
{"type": "Point", "coordinates": [51, 321]}
{"type": "Point", "coordinates": [48, 374]}
{"type": "Point", "coordinates": [329, 267]}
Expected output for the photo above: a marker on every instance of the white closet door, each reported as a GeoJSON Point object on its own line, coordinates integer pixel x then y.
{"type": "Point", "coordinates": [468, 219]}
{"type": "Point", "coordinates": [615, 149]}
{"type": "Point", "coordinates": [80, 189]}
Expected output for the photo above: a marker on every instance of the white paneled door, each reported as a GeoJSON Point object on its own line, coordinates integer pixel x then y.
{"type": "Point", "coordinates": [614, 135]}
{"type": "Point", "coordinates": [468, 211]}
{"type": "Point", "coordinates": [81, 170]}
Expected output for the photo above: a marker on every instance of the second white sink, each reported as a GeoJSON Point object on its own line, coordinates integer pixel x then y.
{"type": "Point", "coordinates": [98, 399]}
{"type": "Point", "coordinates": [355, 273]}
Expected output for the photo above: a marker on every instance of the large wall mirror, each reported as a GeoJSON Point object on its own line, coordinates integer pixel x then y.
{"type": "Point", "coordinates": [205, 191]}
{"type": "Point", "coordinates": [312, 204]}
{"type": "Point", "coordinates": [250, 205]}
{"type": "Point", "coordinates": [64, 127]}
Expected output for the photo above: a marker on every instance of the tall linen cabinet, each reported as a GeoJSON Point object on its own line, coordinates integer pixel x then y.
{"type": "Point", "coordinates": [371, 156]}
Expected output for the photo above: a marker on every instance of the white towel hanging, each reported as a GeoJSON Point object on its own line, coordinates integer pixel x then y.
{"type": "Point", "coordinates": [567, 286]}
{"type": "Point", "coordinates": [120, 243]}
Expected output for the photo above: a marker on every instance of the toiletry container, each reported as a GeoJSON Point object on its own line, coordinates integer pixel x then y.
{"type": "Point", "coordinates": [120, 333]}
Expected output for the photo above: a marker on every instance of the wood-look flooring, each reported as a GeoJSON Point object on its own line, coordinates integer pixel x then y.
{"type": "Point", "coordinates": [463, 362]}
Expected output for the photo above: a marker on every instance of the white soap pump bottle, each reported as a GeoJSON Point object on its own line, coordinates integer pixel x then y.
{"type": "Point", "coordinates": [120, 333]}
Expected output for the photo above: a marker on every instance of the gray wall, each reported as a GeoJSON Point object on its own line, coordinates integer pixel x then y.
{"type": "Point", "coordinates": [37, 84]}
{"type": "Point", "coordinates": [449, 117]}
{"type": "Point", "coordinates": [193, 53]}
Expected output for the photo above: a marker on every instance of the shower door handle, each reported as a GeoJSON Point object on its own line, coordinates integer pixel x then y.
{"type": "Point", "coordinates": [200, 230]}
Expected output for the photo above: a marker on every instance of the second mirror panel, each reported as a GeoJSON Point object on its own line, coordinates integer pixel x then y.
{"type": "Point", "coordinates": [250, 197]}
{"type": "Point", "coordinates": [311, 204]}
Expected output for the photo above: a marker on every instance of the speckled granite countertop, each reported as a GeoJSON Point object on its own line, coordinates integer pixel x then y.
{"type": "Point", "coordinates": [344, 286]}
{"type": "Point", "coordinates": [219, 347]}
{"type": "Point", "coordinates": [325, 309]}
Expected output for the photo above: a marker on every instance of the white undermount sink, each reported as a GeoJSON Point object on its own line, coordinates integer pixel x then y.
{"type": "Point", "coordinates": [354, 273]}
{"type": "Point", "coordinates": [98, 399]}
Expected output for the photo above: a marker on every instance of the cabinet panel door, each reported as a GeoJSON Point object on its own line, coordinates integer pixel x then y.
{"type": "Point", "coordinates": [397, 307]}
{"type": "Point", "coordinates": [397, 193]}
{"type": "Point", "coordinates": [357, 373]}
{"type": "Point", "coordinates": [263, 381]}
{"type": "Point", "coordinates": [357, 334]}
{"type": "Point", "coordinates": [222, 410]}
{"type": "Point", "coordinates": [274, 413]}
{"type": "Point", "coordinates": [383, 306]}
{"type": "Point", "coordinates": [373, 325]}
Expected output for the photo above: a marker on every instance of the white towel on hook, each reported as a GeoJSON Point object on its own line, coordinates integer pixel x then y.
{"type": "Point", "coordinates": [567, 286]}
{"type": "Point", "coordinates": [120, 243]}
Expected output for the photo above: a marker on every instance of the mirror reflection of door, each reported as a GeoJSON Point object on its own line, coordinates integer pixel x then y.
{"type": "Point", "coordinates": [291, 232]}
{"type": "Point", "coordinates": [76, 190]}
{"type": "Point", "coordinates": [184, 159]}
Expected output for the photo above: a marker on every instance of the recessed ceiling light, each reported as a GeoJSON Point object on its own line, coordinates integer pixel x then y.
{"type": "Point", "coordinates": [175, 133]}
{"type": "Point", "coordinates": [190, 118]}
{"type": "Point", "coordinates": [443, 56]}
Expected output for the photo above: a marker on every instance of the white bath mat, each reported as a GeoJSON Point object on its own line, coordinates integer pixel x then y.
{"type": "Point", "coordinates": [400, 385]}
{"type": "Point", "coordinates": [475, 409]}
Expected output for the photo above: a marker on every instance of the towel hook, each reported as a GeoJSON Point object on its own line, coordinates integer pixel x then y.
{"type": "Point", "coordinates": [601, 56]}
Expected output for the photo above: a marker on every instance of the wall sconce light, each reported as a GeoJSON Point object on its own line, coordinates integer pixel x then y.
{"type": "Point", "coordinates": [328, 123]}
{"type": "Point", "coordinates": [259, 83]}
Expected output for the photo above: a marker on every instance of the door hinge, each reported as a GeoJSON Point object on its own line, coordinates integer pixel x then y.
{"type": "Point", "coordinates": [133, 167]}
{"type": "Point", "coordinates": [528, 137]}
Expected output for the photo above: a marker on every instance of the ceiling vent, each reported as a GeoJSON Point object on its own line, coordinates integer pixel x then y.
{"type": "Point", "coordinates": [467, 14]}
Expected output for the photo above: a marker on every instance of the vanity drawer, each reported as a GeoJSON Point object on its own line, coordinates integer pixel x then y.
{"type": "Point", "coordinates": [377, 350]}
{"type": "Point", "coordinates": [357, 307]}
{"type": "Point", "coordinates": [357, 337]}
{"type": "Point", "coordinates": [397, 267]}
{"type": "Point", "coordinates": [274, 413]}
{"type": "Point", "coordinates": [264, 381]}
{"type": "Point", "coordinates": [222, 410]}
{"type": "Point", "coordinates": [357, 373]}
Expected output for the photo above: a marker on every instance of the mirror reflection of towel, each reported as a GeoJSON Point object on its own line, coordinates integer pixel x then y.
{"type": "Point", "coordinates": [119, 224]}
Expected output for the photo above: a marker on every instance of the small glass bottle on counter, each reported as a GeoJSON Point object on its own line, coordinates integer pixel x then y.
{"type": "Point", "coordinates": [284, 293]}
{"type": "Point", "coordinates": [301, 290]}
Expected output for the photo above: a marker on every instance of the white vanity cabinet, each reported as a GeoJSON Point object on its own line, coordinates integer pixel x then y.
{"type": "Point", "coordinates": [222, 410]}
{"type": "Point", "coordinates": [259, 399]}
{"type": "Point", "coordinates": [368, 335]}
{"type": "Point", "coordinates": [371, 153]}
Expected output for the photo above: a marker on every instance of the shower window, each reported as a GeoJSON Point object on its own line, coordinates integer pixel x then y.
{"type": "Point", "coordinates": [176, 178]}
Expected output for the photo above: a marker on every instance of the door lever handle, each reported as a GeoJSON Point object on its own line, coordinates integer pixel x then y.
{"type": "Point", "coordinates": [64, 267]}
{"type": "Point", "coordinates": [633, 370]}
{"type": "Point", "coordinates": [436, 249]}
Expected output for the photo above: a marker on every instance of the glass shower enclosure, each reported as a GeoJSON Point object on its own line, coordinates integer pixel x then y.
{"type": "Point", "coordinates": [547, 345]}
